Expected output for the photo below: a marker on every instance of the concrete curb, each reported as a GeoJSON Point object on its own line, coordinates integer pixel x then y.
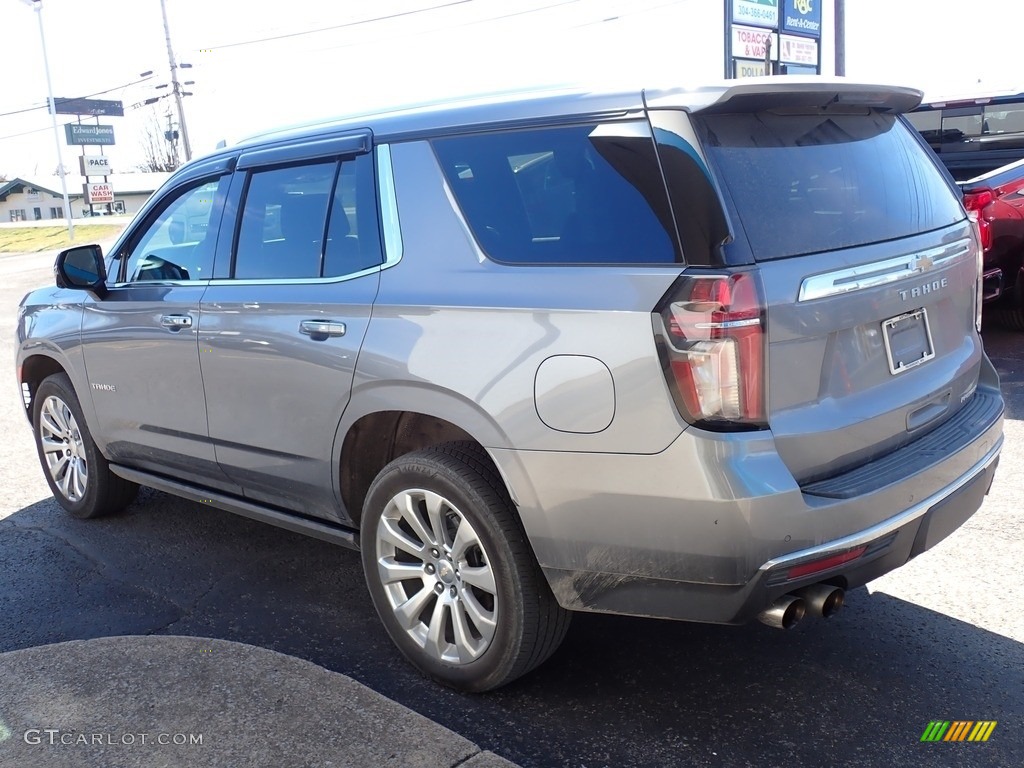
{"type": "Point", "coordinates": [134, 702]}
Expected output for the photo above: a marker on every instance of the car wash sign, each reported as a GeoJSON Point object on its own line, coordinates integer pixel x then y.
{"type": "Point", "coordinates": [802, 17]}
{"type": "Point", "coordinates": [98, 193]}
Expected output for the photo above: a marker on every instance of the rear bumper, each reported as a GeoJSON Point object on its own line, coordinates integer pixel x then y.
{"type": "Point", "coordinates": [710, 529]}
{"type": "Point", "coordinates": [889, 545]}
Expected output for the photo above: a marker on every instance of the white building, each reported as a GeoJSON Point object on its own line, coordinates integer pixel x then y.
{"type": "Point", "coordinates": [40, 198]}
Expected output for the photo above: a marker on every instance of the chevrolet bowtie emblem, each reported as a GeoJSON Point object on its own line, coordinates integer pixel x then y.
{"type": "Point", "coordinates": [922, 263]}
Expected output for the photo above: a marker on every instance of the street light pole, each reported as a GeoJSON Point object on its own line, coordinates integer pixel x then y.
{"type": "Point", "coordinates": [37, 5]}
{"type": "Point", "coordinates": [175, 85]}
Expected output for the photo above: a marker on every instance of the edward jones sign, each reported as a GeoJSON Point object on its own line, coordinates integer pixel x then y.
{"type": "Point", "coordinates": [89, 134]}
{"type": "Point", "coordinates": [98, 193]}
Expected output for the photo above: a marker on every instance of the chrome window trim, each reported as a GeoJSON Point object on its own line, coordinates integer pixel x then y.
{"type": "Point", "coordinates": [389, 222]}
{"type": "Point", "coordinates": [256, 281]}
{"type": "Point", "coordinates": [151, 283]}
{"type": "Point", "coordinates": [296, 280]}
{"type": "Point", "coordinates": [878, 273]}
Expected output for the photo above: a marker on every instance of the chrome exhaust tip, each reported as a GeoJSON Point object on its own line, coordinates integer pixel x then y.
{"type": "Point", "coordinates": [822, 600]}
{"type": "Point", "coordinates": [784, 613]}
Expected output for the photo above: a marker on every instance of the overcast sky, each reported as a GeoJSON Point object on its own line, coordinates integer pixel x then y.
{"type": "Point", "coordinates": [260, 64]}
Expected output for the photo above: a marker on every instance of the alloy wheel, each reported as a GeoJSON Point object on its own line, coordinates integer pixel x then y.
{"type": "Point", "coordinates": [437, 576]}
{"type": "Point", "coordinates": [63, 448]}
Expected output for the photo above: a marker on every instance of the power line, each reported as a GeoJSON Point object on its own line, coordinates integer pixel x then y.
{"type": "Point", "coordinates": [337, 26]}
{"type": "Point", "coordinates": [26, 133]}
{"type": "Point", "coordinates": [87, 96]}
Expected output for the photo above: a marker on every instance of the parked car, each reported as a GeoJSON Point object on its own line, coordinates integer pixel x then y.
{"type": "Point", "coordinates": [997, 199]}
{"type": "Point", "coordinates": [708, 355]}
{"type": "Point", "coordinates": [975, 134]}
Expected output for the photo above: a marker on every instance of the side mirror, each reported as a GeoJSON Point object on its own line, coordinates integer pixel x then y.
{"type": "Point", "coordinates": [82, 268]}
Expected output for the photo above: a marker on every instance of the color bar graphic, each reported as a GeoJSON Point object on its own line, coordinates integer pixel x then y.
{"type": "Point", "coordinates": [959, 730]}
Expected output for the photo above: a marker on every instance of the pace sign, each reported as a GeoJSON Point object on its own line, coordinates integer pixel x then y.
{"type": "Point", "coordinates": [95, 165]}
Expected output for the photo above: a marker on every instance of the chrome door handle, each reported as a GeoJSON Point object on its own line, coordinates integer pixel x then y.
{"type": "Point", "coordinates": [176, 322]}
{"type": "Point", "coordinates": [321, 328]}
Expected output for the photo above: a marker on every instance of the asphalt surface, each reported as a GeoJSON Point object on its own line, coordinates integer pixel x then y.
{"type": "Point", "coordinates": [941, 638]}
{"type": "Point", "coordinates": [141, 702]}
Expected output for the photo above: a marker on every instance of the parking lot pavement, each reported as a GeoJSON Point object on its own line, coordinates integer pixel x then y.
{"type": "Point", "coordinates": [136, 702]}
{"type": "Point", "coordinates": [938, 639]}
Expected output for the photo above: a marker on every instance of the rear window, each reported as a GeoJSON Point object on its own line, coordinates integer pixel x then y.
{"type": "Point", "coordinates": [576, 194]}
{"type": "Point", "coordinates": [804, 183]}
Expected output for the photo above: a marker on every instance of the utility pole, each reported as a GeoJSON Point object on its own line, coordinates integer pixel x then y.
{"type": "Point", "coordinates": [37, 6]}
{"type": "Point", "coordinates": [175, 84]}
{"type": "Point", "coordinates": [172, 139]}
{"type": "Point", "coordinates": [840, 6]}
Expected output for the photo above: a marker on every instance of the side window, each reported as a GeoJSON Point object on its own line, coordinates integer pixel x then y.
{"type": "Point", "coordinates": [353, 236]}
{"type": "Point", "coordinates": [309, 221]}
{"type": "Point", "coordinates": [1004, 119]}
{"type": "Point", "coordinates": [959, 126]}
{"type": "Point", "coordinates": [577, 194]}
{"type": "Point", "coordinates": [179, 243]}
{"type": "Point", "coordinates": [928, 123]}
{"type": "Point", "coordinates": [284, 217]}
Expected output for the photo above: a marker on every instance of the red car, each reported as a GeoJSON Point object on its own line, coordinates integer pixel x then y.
{"type": "Point", "coordinates": [997, 198]}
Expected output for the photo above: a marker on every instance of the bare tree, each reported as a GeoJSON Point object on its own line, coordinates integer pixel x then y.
{"type": "Point", "coordinates": [159, 151]}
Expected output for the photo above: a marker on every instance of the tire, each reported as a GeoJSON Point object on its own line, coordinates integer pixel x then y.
{"type": "Point", "coordinates": [78, 475]}
{"type": "Point", "coordinates": [1010, 313]}
{"type": "Point", "coordinates": [451, 573]}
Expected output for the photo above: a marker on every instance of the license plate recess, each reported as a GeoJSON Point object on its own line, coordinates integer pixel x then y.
{"type": "Point", "coordinates": [908, 341]}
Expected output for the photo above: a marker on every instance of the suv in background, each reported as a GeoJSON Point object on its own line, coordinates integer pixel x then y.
{"type": "Point", "coordinates": [974, 135]}
{"type": "Point", "coordinates": [997, 198]}
{"type": "Point", "coordinates": [705, 354]}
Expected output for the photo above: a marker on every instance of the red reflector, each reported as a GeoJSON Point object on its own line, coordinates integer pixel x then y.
{"type": "Point", "coordinates": [816, 566]}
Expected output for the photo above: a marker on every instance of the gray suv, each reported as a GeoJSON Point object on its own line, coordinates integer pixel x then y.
{"type": "Point", "coordinates": [708, 355]}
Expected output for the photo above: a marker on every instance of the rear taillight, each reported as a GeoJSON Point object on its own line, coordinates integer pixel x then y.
{"type": "Point", "coordinates": [975, 203]}
{"type": "Point", "coordinates": [979, 263]}
{"type": "Point", "coordinates": [711, 336]}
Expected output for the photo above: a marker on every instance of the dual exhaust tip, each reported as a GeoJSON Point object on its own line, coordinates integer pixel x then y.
{"type": "Point", "coordinates": [821, 600]}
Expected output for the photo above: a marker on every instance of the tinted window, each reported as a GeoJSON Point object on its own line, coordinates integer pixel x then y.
{"type": "Point", "coordinates": [928, 122]}
{"type": "Point", "coordinates": [179, 243]}
{"type": "Point", "coordinates": [284, 219]}
{"type": "Point", "coordinates": [353, 235]}
{"type": "Point", "coordinates": [1004, 118]}
{"type": "Point", "coordinates": [960, 124]}
{"type": "Point", "coordinates": [817, 182]}
{"type": "Point", "coordinates": [309, 221]}
{"type": "Point", "coordinates": [580, 194]}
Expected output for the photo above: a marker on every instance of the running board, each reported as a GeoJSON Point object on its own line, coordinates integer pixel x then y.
{"type": "Point", "coordinates": [335, 534]}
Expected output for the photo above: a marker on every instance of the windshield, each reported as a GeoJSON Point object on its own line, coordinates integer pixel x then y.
{"type": "Point", "coordinates": [804, 183]}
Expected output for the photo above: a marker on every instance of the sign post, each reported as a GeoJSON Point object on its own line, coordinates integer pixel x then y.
{"type": "Point", "coordinates": [768, 37]}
